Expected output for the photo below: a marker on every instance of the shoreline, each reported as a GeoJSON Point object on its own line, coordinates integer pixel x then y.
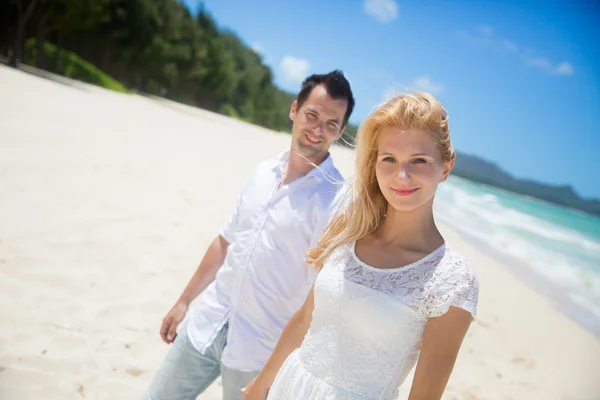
{"type": "Point", "coordinates": [583, 213]}
{"type": "Point", "coordinates": [537, 282]}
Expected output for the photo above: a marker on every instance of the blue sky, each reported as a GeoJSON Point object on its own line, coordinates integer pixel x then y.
{"type": "Point", "coordinates": [520, 79]}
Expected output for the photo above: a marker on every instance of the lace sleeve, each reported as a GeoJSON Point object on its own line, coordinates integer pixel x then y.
{"type": "Point", "coordinates": [461, 289]}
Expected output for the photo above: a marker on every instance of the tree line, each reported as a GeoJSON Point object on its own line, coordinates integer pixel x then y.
{"type": "Point", "coordinates": [152, 46]}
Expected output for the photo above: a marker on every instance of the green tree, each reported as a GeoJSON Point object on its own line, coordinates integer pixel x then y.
{"type": "Point", "coordinates": [152, 46]}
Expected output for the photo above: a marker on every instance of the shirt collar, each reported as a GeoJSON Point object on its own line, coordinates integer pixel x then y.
{"type": "Point", "coordinates": [320, 171]}
{"type": "Point", "coordinates": [281, 160]}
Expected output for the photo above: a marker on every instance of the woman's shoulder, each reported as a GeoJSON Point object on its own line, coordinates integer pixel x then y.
{"type": "Point", "coordinates": [453, 262]}
{"type": "Point", "coordinates": [453, 281]}
{"type": "Point", "coordinates": [342, 254]}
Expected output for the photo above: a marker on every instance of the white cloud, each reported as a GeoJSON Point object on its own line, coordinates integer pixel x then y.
{"type": "Point", "coordinates": [389, 93]}
{"type": "Point", "coordinates": [258, 48]}
{"type": "Point", "coordinates": [474, 39]}
{"type": "Point", "coordinates": [485, 30]}
{"type": "Point", "coordinates": [564, 68]}
{"type": "Point", "coordinates": [508, 45]}
{"type": "Point", "coordinates": [426, 84]}
{"type": "Point", "coordinates": [422, 83]}
{"type": "Point", "coordinates": [268, 60]}
{"type": "Point", "coordinates": [294, 69]}
{"type": "Point", "coordinates": [483, 36]}
{"type": "Point", "coordinates": [383, 10]}
{"type": "Point", "coordinates": [539, 62]}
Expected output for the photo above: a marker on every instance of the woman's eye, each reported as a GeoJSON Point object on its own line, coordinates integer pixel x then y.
{"type": "Point", "coordinates": [419, 161]}
{"type": "Point", "coordinates": [389, 159]}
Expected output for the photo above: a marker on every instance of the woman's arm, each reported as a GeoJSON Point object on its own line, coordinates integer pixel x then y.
{"type": "Point", "coordinates": [290, 339]}
{"type": "Point", "coordinates": [441, 343]}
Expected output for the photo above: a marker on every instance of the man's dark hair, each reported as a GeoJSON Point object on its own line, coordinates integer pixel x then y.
{"type": "Point", "coordinates": [337, 87]}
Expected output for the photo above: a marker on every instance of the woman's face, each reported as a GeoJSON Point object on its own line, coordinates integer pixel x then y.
{"type": "Point", "coordinates": [409, 167]}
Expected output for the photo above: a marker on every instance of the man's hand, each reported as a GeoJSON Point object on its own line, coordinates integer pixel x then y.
{"type": "Point", "coordinates": [168, 329]}
{"type": "Point", "coordinates": [255, 390]}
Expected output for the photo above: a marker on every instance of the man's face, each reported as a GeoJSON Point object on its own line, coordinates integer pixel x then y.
{"type": "Point", "coordinates": [317, 123]}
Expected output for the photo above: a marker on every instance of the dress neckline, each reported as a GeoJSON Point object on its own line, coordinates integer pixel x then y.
{"type": "Point", "coordinates": [402, 268]}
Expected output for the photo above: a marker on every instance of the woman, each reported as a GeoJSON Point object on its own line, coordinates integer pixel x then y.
{"type": "Point", "coordinates": [390, 290]}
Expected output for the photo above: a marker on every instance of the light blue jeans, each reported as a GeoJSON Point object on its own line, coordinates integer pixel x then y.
{"type": "Point", "coordinates": [185, 372]}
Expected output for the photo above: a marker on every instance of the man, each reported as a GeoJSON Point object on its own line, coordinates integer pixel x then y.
{"type": "Point", "coordinates": [253, 276]}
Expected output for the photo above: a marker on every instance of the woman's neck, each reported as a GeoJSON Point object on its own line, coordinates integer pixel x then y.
{"type": "Point", "coordinates": [411, 229]}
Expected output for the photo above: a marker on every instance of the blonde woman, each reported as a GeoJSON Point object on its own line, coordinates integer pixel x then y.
{"type": "Point", "coordinates": [390, 293]}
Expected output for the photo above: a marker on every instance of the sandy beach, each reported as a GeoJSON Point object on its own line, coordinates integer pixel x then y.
{"type": "Point", "coordinates": [107, 204]}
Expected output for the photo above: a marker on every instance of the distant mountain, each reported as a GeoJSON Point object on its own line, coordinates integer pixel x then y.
{"type": "Point", "coordinates": [479, 170]}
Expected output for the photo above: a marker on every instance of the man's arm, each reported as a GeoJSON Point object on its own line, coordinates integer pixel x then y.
{"type": "Point", "coordinates": [291, 339]}
{"type": "Point", "coordinates": [204, 275]}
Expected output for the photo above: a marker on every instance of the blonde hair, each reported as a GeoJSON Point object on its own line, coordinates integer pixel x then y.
{"type": "Point", "coordinates": [365, 206]}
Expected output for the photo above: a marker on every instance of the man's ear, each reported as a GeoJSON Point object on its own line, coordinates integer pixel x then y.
{"type": "Point", "coordinates": [339, 135]}
{"type": "Point", "coordinates": [294, 110]}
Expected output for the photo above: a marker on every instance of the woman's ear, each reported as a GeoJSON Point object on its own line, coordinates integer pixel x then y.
{"type": "Point", "coordinates": [447, 168]}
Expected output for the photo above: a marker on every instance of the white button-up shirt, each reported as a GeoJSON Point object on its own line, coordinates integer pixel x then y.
{"type": "Point", "coordinates": [264, 279]}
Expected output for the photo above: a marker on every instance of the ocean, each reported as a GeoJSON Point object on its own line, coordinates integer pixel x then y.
{"type": "Point", "coordinates": [554, 249]}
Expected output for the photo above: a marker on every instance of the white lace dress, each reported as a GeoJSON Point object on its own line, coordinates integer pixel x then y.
{"type": "Point", "coordinates": [368, 325]}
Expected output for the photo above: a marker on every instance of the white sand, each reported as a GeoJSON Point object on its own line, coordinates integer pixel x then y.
{"type": "Point", "coordinates": [107, 204]}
